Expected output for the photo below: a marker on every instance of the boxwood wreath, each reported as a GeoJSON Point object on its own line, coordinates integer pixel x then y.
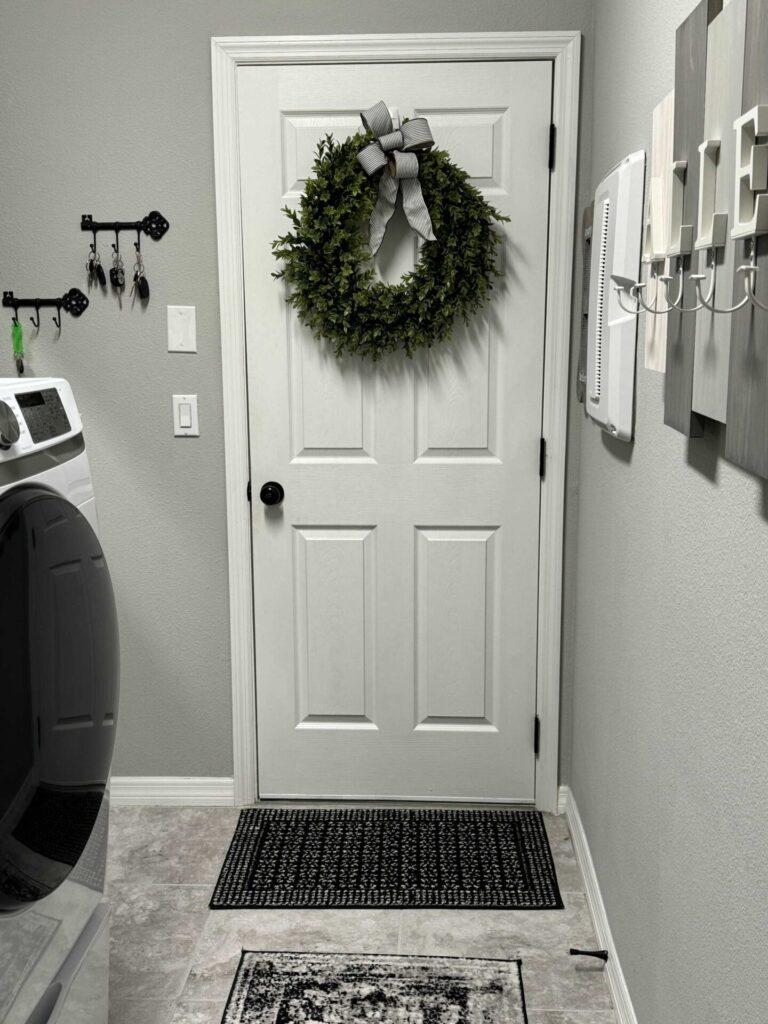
{"type": "Point", "coordinates": [326, 259]}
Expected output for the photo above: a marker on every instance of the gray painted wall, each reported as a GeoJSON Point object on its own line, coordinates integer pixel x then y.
{"type": "Point", "coordinates": [106, 108]}
{"type": "Point", "coordinates": [670, 714]}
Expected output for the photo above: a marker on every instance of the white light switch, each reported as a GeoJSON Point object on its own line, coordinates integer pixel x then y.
{"type": "Point", "coordinates": [185, 422]}
{"type": "Point", "coordinates": [182, 329]}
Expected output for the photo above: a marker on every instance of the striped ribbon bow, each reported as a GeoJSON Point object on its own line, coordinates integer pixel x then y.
{"type": "Point", "coordinates": [395, 149]}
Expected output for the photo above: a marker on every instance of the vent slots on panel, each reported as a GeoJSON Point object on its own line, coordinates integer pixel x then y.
{"type": "Point", "coordinates": [605, 212]}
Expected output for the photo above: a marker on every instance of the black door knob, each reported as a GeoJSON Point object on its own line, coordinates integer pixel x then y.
{"type": "Point", "coordinates": [9, 427]}
{"type": "Point", "coordinates": [272, 493]}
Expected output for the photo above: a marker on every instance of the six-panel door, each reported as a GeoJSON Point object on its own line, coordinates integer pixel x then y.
{"type": "Point", "coordinates": [396, 585]}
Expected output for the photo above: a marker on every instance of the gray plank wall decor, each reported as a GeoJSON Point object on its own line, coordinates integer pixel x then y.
{"type": "Point", "coordinates": [690, 90]}
{"type": "Point", "coordinates": [725, 66]}
{"type": "Point", "coordinates": [746, 438]}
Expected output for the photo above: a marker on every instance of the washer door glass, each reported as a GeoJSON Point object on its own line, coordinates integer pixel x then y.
{"type": "Point", "coordinates": [59, 677]}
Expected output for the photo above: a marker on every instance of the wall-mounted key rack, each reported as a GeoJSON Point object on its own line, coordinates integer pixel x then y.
{"type": "Point", "coordinates": [154, 224]}
{"type": "Point", "coordinates": [72, 302]}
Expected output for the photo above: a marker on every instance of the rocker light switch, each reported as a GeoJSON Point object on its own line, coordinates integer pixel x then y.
{"type": "Point", "coordinates": [182, 329]}
{"type": "Point", "coordinates": [185, 422]}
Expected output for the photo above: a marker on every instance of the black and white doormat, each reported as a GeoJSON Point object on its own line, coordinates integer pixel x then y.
{"type": "Point", "coordinates": [373, 857]}
{"type": "Point", "coordinates": [286, 988]}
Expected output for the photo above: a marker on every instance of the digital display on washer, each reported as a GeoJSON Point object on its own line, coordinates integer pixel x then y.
{"type": "Point", "coordinates": [44, 414]}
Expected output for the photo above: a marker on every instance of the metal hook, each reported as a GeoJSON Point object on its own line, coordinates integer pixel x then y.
{"type": "Point", "coordinates": [654, 310]}
{"type": "Point", "coordinates": [749, 285]}
{"type": "Point", "coordinates": [747, 270]}
{"type": "Point", "coordinates": [57, 319]}
{"type": "Point", "coordinates": [36, 323]}
{"type": "Point", "coordinates": [635, 291]}
{"type": "Point", "coordinates": [625, 284]}
{"type": "Point", "coordinates": [675, 304]}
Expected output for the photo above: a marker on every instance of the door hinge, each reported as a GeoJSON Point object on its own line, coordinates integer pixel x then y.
{"type": "Point", "coordinates": [542, 457]}
{"type": "Point", "coordinates": [552, 145]}
{"type": "Point", "coordinates": [248, 491]}
{"type": "Point", "coordinates": [536, 735]}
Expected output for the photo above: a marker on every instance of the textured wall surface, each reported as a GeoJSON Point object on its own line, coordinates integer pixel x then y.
{"type": "Point", "coordinates": [670, 705]}
{"type": "Point", "coordinates": [106, 108]}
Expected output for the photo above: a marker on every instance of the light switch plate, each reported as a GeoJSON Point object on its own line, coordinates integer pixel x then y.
{"type": "Point", "coordinates": [182, 329]}
{"type": "Point", "coordinates": [185, 421]}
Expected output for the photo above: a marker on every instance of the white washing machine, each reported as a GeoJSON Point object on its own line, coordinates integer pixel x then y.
{"type": "Point", "coordinates": [59, 678]}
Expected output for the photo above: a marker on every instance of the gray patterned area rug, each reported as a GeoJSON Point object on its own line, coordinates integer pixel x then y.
{"type": "Point", "coordinates": [296, 988]}
{"type": "Point", "coordinates": [388, 857]}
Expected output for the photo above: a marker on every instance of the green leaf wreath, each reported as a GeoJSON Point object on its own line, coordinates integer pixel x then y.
{"type": "Point", "coordinates": [327, 263]}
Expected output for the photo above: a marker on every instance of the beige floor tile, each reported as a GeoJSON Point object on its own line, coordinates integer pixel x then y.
{"type": "Point", "coordinates": [154, 931]}
{"type": "Point", "coordinates": [559, 982]}
{"type": "Point", "coordinates": [197, 1012]}
{"type": "Point", "coordinates": [497, 933]}
{"type": "Point", "coordinates": [139, 1011]}
{"type": "Point", "coordinates": [169, 845]}
{"type": "Point", "coordinates": [568, 873]}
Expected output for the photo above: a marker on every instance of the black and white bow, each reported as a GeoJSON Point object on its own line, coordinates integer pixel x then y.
{"type": "Point", "coordinates": [394, 150]}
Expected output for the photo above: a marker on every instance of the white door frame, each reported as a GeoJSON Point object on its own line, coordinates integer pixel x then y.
{"type": "Point", "coordinates": [229, 53]}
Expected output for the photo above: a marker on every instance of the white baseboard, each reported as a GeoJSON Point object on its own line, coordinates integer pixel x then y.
{"type": "Point", "coordinates": [171, 791]}
{"type": "Point", "coordinates": [562, 799]}
{"type": "Point", "coordinates": [617, 984]}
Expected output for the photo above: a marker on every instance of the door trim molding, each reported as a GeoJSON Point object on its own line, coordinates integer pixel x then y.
{"type": "Point", "coordinates": [229, 53]}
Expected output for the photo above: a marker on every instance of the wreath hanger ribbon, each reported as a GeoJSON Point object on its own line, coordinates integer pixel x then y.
{"type": "Point", "coordinates": [395, 149]}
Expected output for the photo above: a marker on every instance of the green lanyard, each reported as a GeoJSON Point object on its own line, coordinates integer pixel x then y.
{"type": "Point", "coordinates": [17, 337]}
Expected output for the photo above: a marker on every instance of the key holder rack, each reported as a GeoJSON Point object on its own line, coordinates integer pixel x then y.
{"type": "Point", "coordinates": [154, 224]}
{"type": "Point", "coordinates": [72, 302]}
{"type": "Point", "coordinates": [633, 290]}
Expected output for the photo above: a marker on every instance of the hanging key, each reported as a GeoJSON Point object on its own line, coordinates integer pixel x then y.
{"type": "Point", "coordinates": [140, 282]}
{"type": "Point", "coordinates": [117, 270]}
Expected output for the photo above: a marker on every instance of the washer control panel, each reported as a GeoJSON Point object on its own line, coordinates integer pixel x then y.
{"type": "Point", "coordinates": [39, 413]}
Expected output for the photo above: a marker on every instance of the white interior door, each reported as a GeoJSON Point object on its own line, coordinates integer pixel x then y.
{"type": "Point", "coordinates": [395, 589]}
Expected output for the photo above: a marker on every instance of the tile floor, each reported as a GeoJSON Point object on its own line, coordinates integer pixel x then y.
{"type": "Point", "coordinates": [173, 960]}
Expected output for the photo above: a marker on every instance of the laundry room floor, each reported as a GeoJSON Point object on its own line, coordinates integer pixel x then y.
{"type": "Point", "coordinates": [173, 959]}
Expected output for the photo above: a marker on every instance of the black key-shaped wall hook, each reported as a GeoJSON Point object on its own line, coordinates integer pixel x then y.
{"type": "Point", "coordinates": [154, 224]}
{"type": "Point", "coordinates": [72, 302]}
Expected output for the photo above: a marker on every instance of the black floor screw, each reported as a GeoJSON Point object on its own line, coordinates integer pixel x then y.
{"type": "Point", "coordinates": [599, 954]}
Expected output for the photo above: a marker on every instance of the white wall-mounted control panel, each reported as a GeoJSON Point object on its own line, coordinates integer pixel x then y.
{"type": "Point", "coordinates": [616, 242]}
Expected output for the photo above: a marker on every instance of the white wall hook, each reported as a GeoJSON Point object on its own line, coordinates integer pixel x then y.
{"type": "Point", "coordinates": [676, 302]}
{"type": "Point", "coordinates": [634, 289]}
{"type": "Point", "coordinates": [654, 310]}
{"type": "Point", "coordinates": [749, 285]}
{"type": "Point", "coordinates": [706, 302]}
{"type": "Point", "coordinates": [625, 285]}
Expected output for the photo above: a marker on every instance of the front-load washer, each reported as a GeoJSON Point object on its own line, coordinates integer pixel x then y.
{"type": "Point", "coordinates": [59, 676]}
